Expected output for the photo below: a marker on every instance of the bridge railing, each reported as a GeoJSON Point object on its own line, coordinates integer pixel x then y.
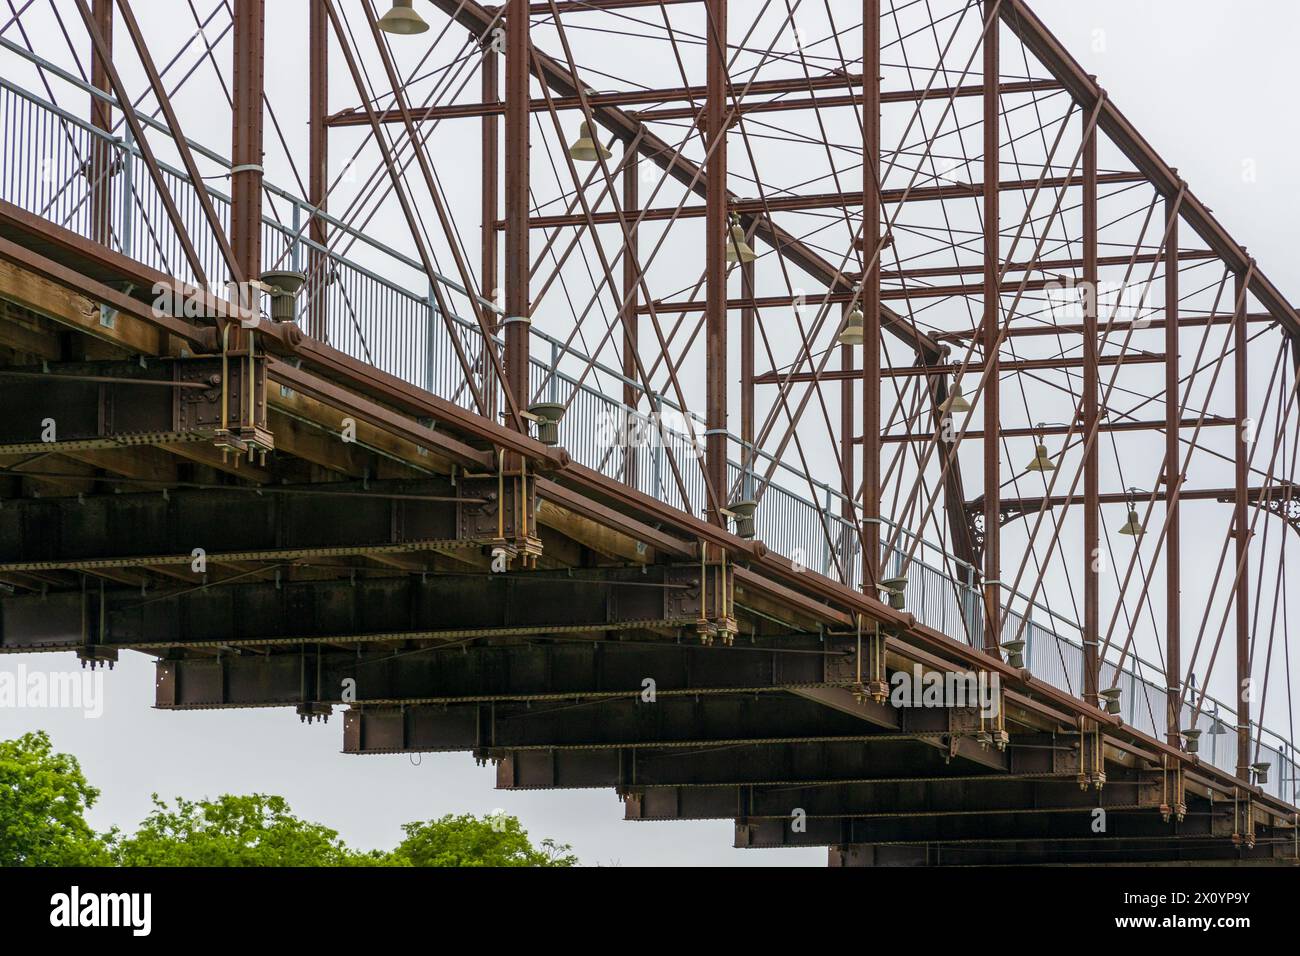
{"type": "Point", "coordinates": [363, 301]}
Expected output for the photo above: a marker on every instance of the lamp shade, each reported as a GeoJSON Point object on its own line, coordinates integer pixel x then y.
{"type": "Point", "coordinates": [738, 250]}
{"type": "Point", "coordinates": [1133, 527]}
{"type": "Point", "coordinates": [956, 401]}
{"type": "Point", "coordinates": [586, 148]}
{"type": "Point", "coordinates": [851, 334]}
{"type": "Point", "coordinates": [402, 19]}
{"type": "Point", "coordinates": [1042, 460]}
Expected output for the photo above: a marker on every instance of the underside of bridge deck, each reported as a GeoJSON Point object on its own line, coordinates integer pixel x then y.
{"type": "Point", "coordinates": [278, 521]}
{"type": "Point", "coordinates": [680, 667]}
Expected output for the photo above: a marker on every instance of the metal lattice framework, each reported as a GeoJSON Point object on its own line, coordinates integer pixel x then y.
{"type": "Point", "coordinates": [931, 336]}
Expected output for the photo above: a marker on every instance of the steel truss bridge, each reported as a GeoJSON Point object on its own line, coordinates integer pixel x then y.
{"type": "Point", "coordinates": [634, 394]}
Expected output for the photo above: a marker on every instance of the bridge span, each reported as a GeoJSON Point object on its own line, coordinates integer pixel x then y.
{"type": "Point", "coordinates": [694, 526]}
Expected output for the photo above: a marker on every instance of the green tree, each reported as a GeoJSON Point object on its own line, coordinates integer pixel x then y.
{"type": "Point", "coordinates": [253, 830]}
{"type": "Point", "coordinates": [43, 801]}
{"type": "Point", "coordinates": [466, 840]}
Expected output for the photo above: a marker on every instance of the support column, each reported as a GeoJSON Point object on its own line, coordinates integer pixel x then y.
{"type": "Point", "coordinates": [100, 172]}
{"type": "Point", "coordinates": [717, 234]}
{"type": "Point", "coordinates": [872, 253]}
{"type": "Point", "coordinates": [318, 267]}
{"type": "Point", "coordinates": [842, 540]}
{"type": "Point", "coordinates": [1091, 384]}
{"type": "Point", "coordinates": [1242, 601]}
{"type": "Point", "coordinates": [748, 319]}
{"type": "Point", "coordinates": [1173, 483]}
{"type": "Point", "coordinates": [517, 304]}
{"type": "Point", "coordinates": [246, 137]}
{"type": "Point", "coordinates": [489, 265]}
{"type": "Point", "coordinates": [631, 300]}
{"type": "Point", "coordinates": [992, 318]}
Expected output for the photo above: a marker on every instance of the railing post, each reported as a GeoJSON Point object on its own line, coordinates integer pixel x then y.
{"type": "Point", "coordinates": [826, 536]}
{"type": "Point", "coordinates": [295, 248]}
{"type": "Point", "coordinates": [657, 410]}
{"type": "Point", "coordinates": [127, 231]}
{"type": "Point", "coordinates": [430, 341]}
{"type": "Point", "coordinates": [553, 387]}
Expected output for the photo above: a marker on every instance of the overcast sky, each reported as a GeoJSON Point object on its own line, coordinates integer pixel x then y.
{"type": "Point", "coordinates": [1202, 79]}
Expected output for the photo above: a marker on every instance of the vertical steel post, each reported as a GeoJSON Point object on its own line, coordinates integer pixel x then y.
{"type": "Point", "coordinates": [1173, 482]}
{"type": "Point", "coordinates": [717, 234]}
{"type": "Point", "coordinates": [843, 539]}
{"type": "Point", "coordinates": [318, 267]}
{"type": "Point", "coordinates": [631, 267]}
{"type": "Point", "coordinates": [992, 314]}
{"type": "Point", "coordinates": [100, 171]}
{"type": "Point", "coordinates": [246, 137]}
{"type": "Point", "coordinates": [1242, 532]}
{"type": "Point", "coordinates": [489, 266]}
{"type": "Point", "coordinates": [1091, 384]}
{"type": "Point", "coordinates": [748, 319]}
{"type": "Point", "coordinates": [517, 305]}
{"type": "Point", "coordinates": [871, 252]}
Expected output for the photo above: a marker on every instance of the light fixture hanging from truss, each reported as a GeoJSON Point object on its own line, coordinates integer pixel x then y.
{"type": "Point", "coordinates": [738, 250]}
{"type": "Point", "coordinates": [402, 20]}
{"type": "Point", "coordinates": [1133, 527]}
{"type": "Point", "coordinates": [586, 148]}
{"type": "Point", "coordinates": [852, 333]}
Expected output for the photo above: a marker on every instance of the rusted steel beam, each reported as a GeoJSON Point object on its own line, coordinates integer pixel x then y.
{"type": "Point", "coordinates": [1125, 831]}
{"type": "Point", "coordinates": [382, 416]}
{"type": "Point", "coordinates": [1044, 265]}
{"type": "Point", "coordinates": [787, 104]}
{"type": "Point", "coordinates": [1037, 431]}
{"type": "Point", "coordinates": [748, 326]}
{"type": "Point", "coordinates": [367, 610]}
{"type": "Point", "coordinates": [1173, 483]}
{"type": "Point", "coordinates": [1191, 851]}
{"type": "Point", "coordinates": [992, 322]}
{"type": "Point", "coordinates": [246, 136]}
{"type": "Point", "coordinates": [490, 186]}
{"type": "Point", "coordinates": [1184, 322]}
{"type": "Point", "coordinates": [101, 117]}
{"type": "Point", "coordinates": [631, 287]}
{"type": "Point", "coordinates": [833, 761]}
{"type": "Point", "coordinates": [816, 299]}
{"type": "Point", "coordinates": [356, 117]}
{"type": "Point", "coordinates": [839, 200]}
{"type": "Point", "coordinates": [517, 262]}
{"type": "Point", "coordinates": [1030, 505]}
{"type": "Point", "coordinates": [146, 529]}
{"type": "Point", "coordinates": [22, 256]}
{"type": "Point", "coordinates": [1090, 416]}
{"type": "Point", "coordinates": [1240, 528]}
{"type": "Point", "coordinates": [717, 237]}
{"type": "Point", "coordinates": [546, 8]}
{"type": "Point", "coordinates": [1009, 794]}
{"type": "Point", "coordinates": [678, 721]}
{"type": "Point", "coordinates": [318, 168]}
{"type": "Point", "coordinates": [568, 670]}
{"type": "Point", "coordinates": [952, 368]}
{"type": "Point", "coordinates": [872, 253]}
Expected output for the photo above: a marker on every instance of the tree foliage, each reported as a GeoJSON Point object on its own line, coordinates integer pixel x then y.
{"type": "Point", "coordinates": [43, 801]}
{"type": "Point", "coordinates": [253, 830]}
{"type": "Point", "coordinates": [44, 798]}
{"type": "Point", "coordinates": [466, 840]}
